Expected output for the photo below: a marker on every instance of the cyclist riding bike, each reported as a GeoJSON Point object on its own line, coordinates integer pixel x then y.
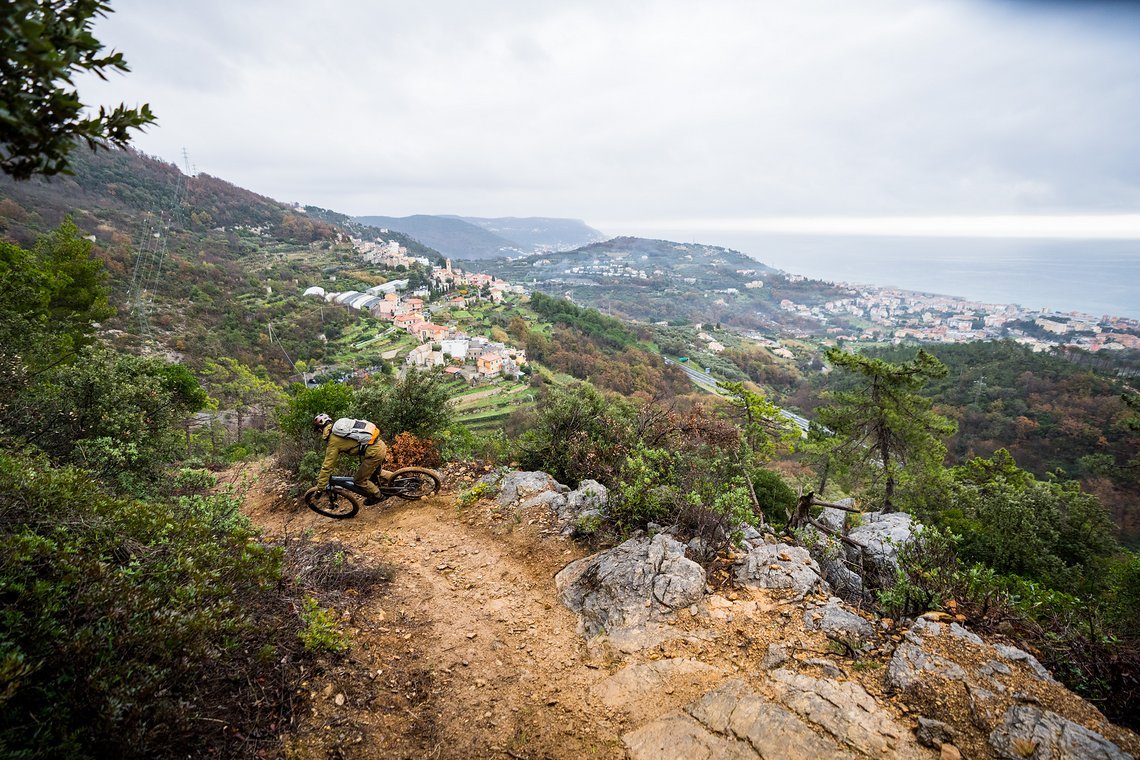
{"type": "Point", "coordinates": [350, 435]}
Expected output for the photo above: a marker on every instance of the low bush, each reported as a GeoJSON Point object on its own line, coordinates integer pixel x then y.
{"type": "Point", "coordinates": [132, 628]}
{"type": "Point", "coordinates": [192, 480]}
{"type": "Point", "coordinates": [416, 404]}
{"type": "Point", "coordinates": [408, 450]}
{"type": "Point", "coordinates": [580, 434]}
{"type": "Point", "coordinates": [1090, 643]}
{"type": "Point", "coordinates": [321, 632]}
{"type": "Point", "coordinates": [458, 443]}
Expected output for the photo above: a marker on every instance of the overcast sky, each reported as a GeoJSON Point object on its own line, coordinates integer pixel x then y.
{"type": "Point", "coordinates": [634, 114]}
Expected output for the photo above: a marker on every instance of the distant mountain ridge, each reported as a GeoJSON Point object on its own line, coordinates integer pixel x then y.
{"type": "Point", "coordinates": [540, 233]}
{"type": "Point", "coordinates": [476, 238]}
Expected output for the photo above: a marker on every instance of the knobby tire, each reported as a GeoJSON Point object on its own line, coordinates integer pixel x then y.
{"type": "Point", "coordinates": [414, 483]}
{"type": "Point", "coordinates": [336, 503]}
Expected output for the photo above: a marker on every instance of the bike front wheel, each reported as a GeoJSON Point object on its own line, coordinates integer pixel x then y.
{"type": "Point", "coordinates": [414, 483]}
{"type": "Point", "coordinates": [335, 503]}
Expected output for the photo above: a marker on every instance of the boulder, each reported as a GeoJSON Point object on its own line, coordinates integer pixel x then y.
{"type": "Point", "coordinates": [518, 487]}
{"type": "Point", "coordinates": [750, 535]}
{"type": "Point", "coordinates": [911, 665]}
{"type": "Point", "coordinates": [836, 519]}
{"type": "Point", "coordinates": [630, 585]}
{"type": "Point", "coordinates": [851, 571]}
{"type": "Point", "coordinates": [831, 555]}
{"type": "Point", "coordinates": [1013, 654]}
{"type": "Point", "coordinates": [933, 733]}
{"type": "Point", "coordinates": [779, 566]}
{"type": "Point", "coordinates": [883, 535]}
{"type": "Point", "coordinates": [1028, 731]}
{"type": "Point", "coordinates": [590, 495]}
{"type": "Point", "coordinates": [841, 624]}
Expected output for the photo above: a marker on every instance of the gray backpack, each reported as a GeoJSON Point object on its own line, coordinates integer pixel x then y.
{"type": "Point", "coordinates": [361, 431]}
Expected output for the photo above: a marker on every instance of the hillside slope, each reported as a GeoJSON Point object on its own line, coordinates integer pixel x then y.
{"type": "Point", "coordinates": [662, 280]}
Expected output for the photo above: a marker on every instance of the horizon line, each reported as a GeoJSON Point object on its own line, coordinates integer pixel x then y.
{"type": "Point", "coordinates": [1026, 226]}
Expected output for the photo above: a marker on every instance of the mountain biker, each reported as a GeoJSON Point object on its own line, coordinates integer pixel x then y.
{"type": "Point", "coordinates": [360, 436]}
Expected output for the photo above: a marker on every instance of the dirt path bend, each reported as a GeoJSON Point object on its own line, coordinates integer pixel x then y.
{"type": "Point", "coordinates": [465, 653]}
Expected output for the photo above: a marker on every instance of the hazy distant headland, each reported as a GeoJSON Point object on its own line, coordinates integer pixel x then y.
{"type": "Point", "coordinates": [1096, 277]}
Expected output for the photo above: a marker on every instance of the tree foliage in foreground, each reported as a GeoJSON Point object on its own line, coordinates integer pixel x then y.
{"type": "Point", "coordinates": [113, 414]}
{"type": "Point", "coordinates": [45, 45]}
{"type": "Point", "coordinates": [50, 296]}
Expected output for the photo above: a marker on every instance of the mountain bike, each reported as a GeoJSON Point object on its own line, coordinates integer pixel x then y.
{"type": "Point", "coordinates": [342, 498]}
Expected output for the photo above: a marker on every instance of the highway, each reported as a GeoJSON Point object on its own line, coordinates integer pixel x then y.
{"type": "Point", "coordinates": [709, 383]}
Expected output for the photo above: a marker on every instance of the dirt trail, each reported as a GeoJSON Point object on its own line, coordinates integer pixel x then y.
{"type": "Point", "coordinates": [468, 653]}
{"type": "Point", "coordinates": [465, 653]}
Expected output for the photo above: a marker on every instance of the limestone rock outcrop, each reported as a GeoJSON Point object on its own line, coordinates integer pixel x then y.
{"type": "Point", "coordinates": [634, 584]}
{"type": "Point", "coordinates": [780, 566]}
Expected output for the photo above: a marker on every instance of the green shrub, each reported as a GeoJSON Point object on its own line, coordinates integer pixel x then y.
{"type": "Point", "coordinates": [580, 433]}
{"type": "Point", "coordinates": [237, 453]}
{"type": "Point", "coordinates": [298, 437]}
{"type": "Point", "coordinates": [117, 416]}
{"type": "Point", "coordinates": [125, 623]}
{"type": "Point", "coordinates": [646, 492]}
{"type": "Point", "coordinates": [776, 498]}
{"type": "Point", "coordinates": [716, 518]}
{"type": "Point", "coordinates": [416, 404]}
{"type": "Point", "coordinates": [1050, 532]}
{"type": "Point", "coordinates": [321, 632]}
{"type": "Point", "coordinates": [194, 479]}
{"type": "Point", "coordinates": [296, 421]}
{"type": "Point", "coordinates": [310, 467]}
{"type": "Point", "coordinates": [458, 443]}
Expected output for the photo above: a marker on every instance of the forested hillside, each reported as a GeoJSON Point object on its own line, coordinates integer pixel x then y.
{"type": "Point", "coordinates": [1052, 414]}
{"type": "Point", "coordinates": [197, 266]}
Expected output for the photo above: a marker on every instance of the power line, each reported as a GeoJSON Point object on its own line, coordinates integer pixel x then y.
{"type": "Point", "coordinates": [151, 250]}
{"type": "Point", "coordinates": [273, 339]}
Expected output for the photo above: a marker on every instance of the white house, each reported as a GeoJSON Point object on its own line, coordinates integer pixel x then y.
{"type": "Point", "coordinates": [456, 348]}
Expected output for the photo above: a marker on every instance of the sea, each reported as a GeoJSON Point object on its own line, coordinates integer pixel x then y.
{"type": "Point", "coordinates": [1096, 277]}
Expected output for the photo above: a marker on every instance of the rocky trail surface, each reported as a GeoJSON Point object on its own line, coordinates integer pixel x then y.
{"type": "Point", "coordinates": [470, 651]}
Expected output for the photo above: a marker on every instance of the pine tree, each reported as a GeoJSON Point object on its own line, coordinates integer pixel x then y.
{"type": "Point", "coordinates": [883, 428]}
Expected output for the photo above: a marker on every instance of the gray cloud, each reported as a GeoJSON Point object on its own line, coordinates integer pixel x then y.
{"type": "Point", "coordinates": [623, 110]}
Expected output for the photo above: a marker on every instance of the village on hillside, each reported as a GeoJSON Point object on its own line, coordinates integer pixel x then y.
{"type": "Point", "coordinates": [473, 358]}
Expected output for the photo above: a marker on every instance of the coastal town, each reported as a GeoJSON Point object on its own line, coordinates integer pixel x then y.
{"type": "Point", "coordinates": [439, 331]}
{"type": "Point", "coordinates": [897, 316]}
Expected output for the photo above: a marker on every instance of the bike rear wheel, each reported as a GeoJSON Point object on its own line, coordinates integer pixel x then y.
{"type": "Point", "coordinates": [336, 503]}
{"type": "Point", "coordinates": [414, 483]}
